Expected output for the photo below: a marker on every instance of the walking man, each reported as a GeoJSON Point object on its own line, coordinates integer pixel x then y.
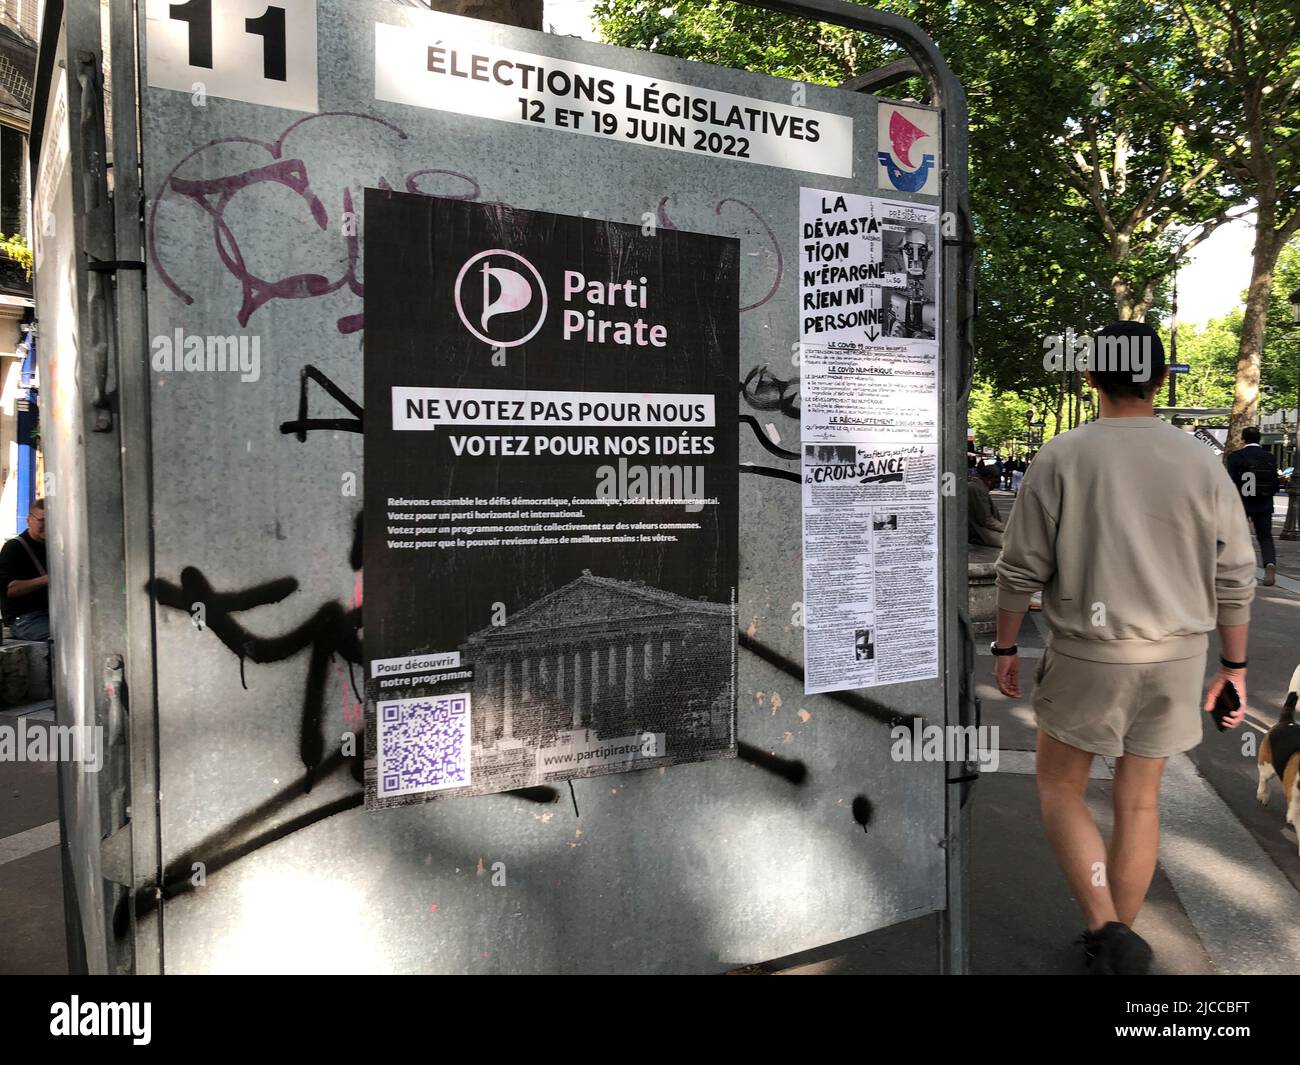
{"type": "Point", "coordinates": [1134, 532]}
{"type": "Point", "coordinates": [1254, 471]}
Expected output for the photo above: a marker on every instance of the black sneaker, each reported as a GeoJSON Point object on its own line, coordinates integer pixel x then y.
{"type": "Point", "coordinates": [1116, 950]}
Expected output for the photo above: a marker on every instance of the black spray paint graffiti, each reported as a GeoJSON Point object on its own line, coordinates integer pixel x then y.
{"type": "Point", "coordinates": [331, 630]}
{"type": "Point", "coordinates": [762, 390]}
{"type": "Point", "coordinates": [258, 828]}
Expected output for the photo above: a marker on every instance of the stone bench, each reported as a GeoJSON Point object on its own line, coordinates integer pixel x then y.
{"type": "Point", "coordinates": [24, 672]}
{"type": "Point", "coordinates": [982, 593]}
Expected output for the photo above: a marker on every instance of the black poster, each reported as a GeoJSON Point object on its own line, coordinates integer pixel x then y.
{"type": "Point", "coordinates": [551, 497]}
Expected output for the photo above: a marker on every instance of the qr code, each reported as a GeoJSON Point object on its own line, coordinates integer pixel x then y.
{"type": "Point", "coordinates": [423, 744]}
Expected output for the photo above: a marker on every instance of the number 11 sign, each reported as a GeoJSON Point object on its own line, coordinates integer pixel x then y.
{"type": "Point", "coordinates": [258, 51]}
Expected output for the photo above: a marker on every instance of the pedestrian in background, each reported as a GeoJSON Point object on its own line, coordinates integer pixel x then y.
{"type": "Point", "coordinates": [1254, 471]}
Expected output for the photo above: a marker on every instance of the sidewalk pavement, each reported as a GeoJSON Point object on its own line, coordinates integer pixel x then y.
{"type": "Point", "coordinates": [31, 874]}
{"type": "Point", "coordinates": [1288, 551]}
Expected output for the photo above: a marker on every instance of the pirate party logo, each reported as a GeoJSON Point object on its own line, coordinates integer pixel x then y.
{"type": "Point", "coordinates": [909, 144]}
{"type": "Point", "coordinates": [500, 298]}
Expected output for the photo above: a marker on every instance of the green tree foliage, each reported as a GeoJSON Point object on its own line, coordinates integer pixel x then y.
{"type": "Point", "coordinates": [1240, 100]}
{"type": "Point", "coordinates": [1108, 139]}
{"type": "Point", "coordinates": [1211, 354]}
{"type": "Point", "coordinates": [996, 418]}
{"type": "Point", "coordinates": [747, 38]}
{"type": "Point", "coordinates": [15, 247]}
{"type": "Point", "coordinates": [1034, 75]}
{"type": "Point", "coordinates": [1211, 351]}
{"type": "Point", "coordinates": [1280, 361]}
{"type": "Point", "coordinates": [1071, 104]}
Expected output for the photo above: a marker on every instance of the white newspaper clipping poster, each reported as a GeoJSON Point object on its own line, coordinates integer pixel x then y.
{"type": "Point", "coordinates": [869, 397]}
{"type": "Point", "coordinates": [882, 392]}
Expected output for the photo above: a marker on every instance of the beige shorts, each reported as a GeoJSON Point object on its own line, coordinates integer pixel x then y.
{"type": "Point", "coordinates": [1151, 709]}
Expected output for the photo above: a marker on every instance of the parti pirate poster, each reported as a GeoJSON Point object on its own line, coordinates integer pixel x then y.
{"type": "Point", "coordinates": [551, 497]}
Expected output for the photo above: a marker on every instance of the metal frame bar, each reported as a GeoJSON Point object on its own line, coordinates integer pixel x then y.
{"type": "Point", "coordinates": [957, 348]}
{"type": "Point", "coordinates": [129, 815]}
{"type": "Point", "coordinates": [137, 488]}
{"type": "Point", "coordinates": [883, 77]}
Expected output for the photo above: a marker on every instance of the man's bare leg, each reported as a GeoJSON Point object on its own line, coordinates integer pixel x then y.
{"type": "Point", "coordinates": [1080, 851]}
{"type": "Point", "coordinates": [1131, 859]}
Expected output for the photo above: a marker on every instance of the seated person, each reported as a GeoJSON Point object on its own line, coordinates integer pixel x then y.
{"type": "Point", "coordinates": [982, 521]}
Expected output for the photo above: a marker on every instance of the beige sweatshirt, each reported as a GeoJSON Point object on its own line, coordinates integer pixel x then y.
{"type": "Point", "coordinates": [1136, 535]}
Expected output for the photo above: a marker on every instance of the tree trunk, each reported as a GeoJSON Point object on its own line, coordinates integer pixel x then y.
{"type": "Point", "coordinates": [525, 13]}
{"type": "Point", "coordinates": [1125, 299]}
{"type": "Point", "coordinates": [1132, 304]}
{"type": "Point", "coordinates": [1245, 401]}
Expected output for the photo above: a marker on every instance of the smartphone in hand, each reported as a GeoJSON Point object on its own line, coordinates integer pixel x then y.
{"type": "Point", "coordinates": [1226, 703]}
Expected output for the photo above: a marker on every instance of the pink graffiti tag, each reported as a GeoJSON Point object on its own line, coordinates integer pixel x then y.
{"type": "Point", "coordinates": [214, 195]}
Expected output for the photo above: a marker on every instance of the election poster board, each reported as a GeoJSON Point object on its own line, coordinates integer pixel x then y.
{"type": "Point", "coordinates": [256, 229]}
{"type": "Point", "coordinates": [551, 497]}
{"type": "Point", "coordinates": [869, 381]}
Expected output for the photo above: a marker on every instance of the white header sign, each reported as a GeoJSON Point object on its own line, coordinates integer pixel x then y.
{"type": "Point", "coordinates": [439, 64]}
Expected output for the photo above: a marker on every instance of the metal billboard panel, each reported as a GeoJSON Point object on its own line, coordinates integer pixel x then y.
{"type": "Point", "coordinates": [814, 835]}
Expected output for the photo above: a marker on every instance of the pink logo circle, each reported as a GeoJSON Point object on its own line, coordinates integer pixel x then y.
{"type": "Point", "coordinates": [500, 293]}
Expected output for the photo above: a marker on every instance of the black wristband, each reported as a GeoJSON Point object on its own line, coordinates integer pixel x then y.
{"type": "Point", "coordinates": [1003, 652]}
{"type": "Point", "coordinates": [1231, 665]}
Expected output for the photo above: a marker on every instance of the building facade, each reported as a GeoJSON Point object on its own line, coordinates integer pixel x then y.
{"type": "Point", "coordinates": [1279, 436]}
{"type": "Point", "coordinates": [19, 385]}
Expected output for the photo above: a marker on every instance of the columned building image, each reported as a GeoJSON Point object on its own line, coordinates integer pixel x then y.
{"type": "Point", "coordinates": [595, 662]}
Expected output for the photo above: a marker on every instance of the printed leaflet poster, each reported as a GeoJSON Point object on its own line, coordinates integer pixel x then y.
{"type": "Point", "coordinates": [869, 394]}
{"type": "Point", "coordinates": [551, 497]}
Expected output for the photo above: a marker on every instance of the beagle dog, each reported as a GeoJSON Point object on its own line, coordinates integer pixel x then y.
{"type": "Point", "coordinates": [1279, 756]}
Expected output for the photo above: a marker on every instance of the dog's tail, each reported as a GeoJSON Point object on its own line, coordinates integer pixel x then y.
{"type": "Point", "coordinates": [1293, 696]}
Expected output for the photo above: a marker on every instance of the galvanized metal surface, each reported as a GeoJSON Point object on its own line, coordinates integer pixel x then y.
{"type": "Point", "coordinates": [81, 461]}
{"type": "Point", "coordinates": [56, 290]}
{"type": "Point", "coordinates": [696, 868]}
